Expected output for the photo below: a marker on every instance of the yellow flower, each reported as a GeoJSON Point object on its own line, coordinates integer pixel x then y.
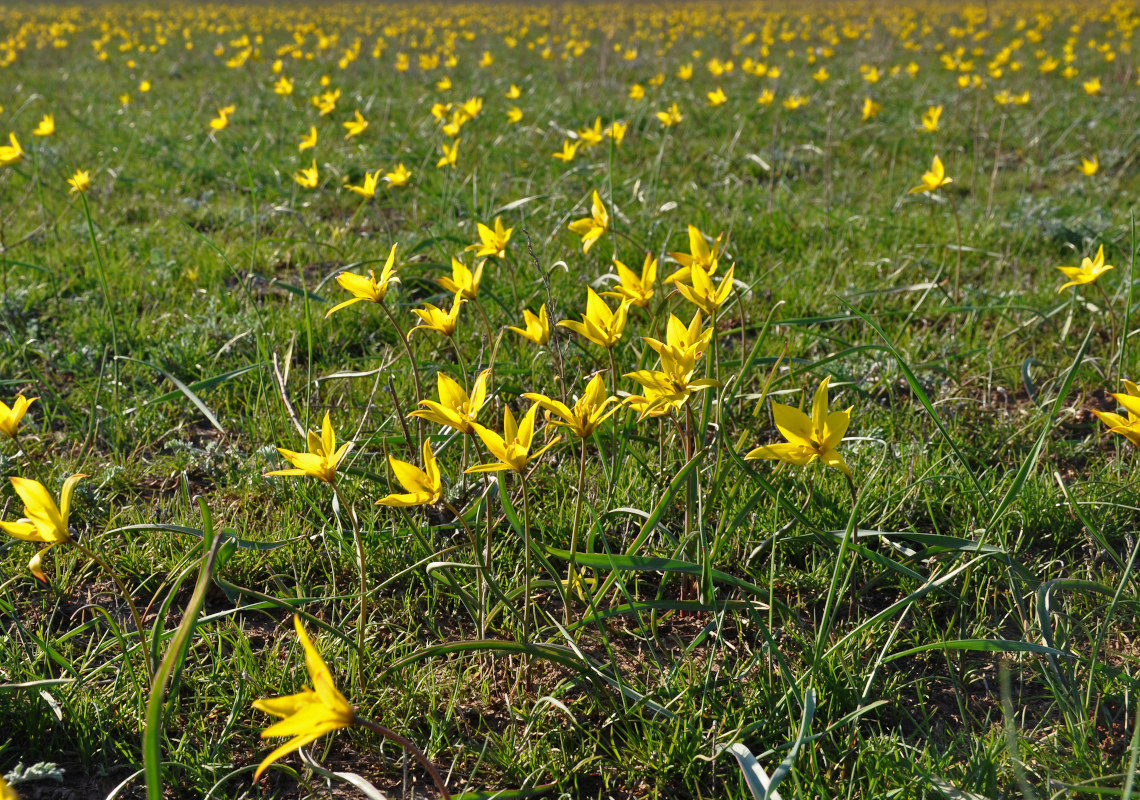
{"type": "Point", "coordinates": [616, 131]}
{"type": "Point", "coordinates": [569, 150]}
{"type": "Point", "coordinates": [589, 411]}
{"type": "Point", "coordinates": [283, 86]}
{"type": "Point", "coordinates": [43, 520]}
{"type": "Point", "coordinates": [220, 122]}
{"type": "Point", "coordinates": [1092, 86]}
{"type": "Point", "coordinates": [599, 324]}
{"type": "Point", "coordinates": [443, 84]}
{"type": "Point", "coordinates": [685, 72]}
{"type": "Point", "coordinates": [455, 408]}
{"type": "Point", "coordinates": [871, 109]}
{"type": "Point", "coordinates": [766, 97]}
{"type": "Point", "coordinates": [930, 119]}
{"type": "Point", "coordinates": [433, 318]}
{"type": "Point", "coordinates": [10, 154]}
{"type": "Point", "coordinates": [308, 177]}
{"type": "Point", "coordinates": [796, 101]}
{"type": "Point", "coordinates": [368, 288]}
{"type": "Point", "coordinates": [682, 341]}
{"type": "Point", "coordinates": [717, 98]}
{"type": "Point", "coordinates": [593, 227]}
{"type": "Point", "coordinates": [808, 438]}
{"type": "Point", "coordinates": [492, 243]}
{"type": "Point", "coordinates": [425, 486]}
{"type": "Point", "coordinates": [80, 182]}
{"type": "Point", "coordinates": [514, 114]}
{"type": "Point", "coordinates": [636, 92]}
{"type": "Point", "coordinates": [46, 126]}
{"type": "Point", "coordinates": [1089, 167]}
{"type": "Point", "coordinates": [6, 791]}
{"type": "Point", "coordinates": [513, 447]}
{"type": "Point", "coordinates": [308, 141]}
{"type": "Point", "coordinates": [463, 281]}
{"type": "Point", "coordinates": [513, 93]}
{"type": "Point", "coordinates": [368, 189]}
{"type": "Point", "coordinates": [537, 328]}
{"type": "Point", "coordinates": [309, 714]}
{"type": "Point", "coordinates": [669, 388]}
{"type": "Point", "coordinates": [670, 117]}
{"type": "Point", "coordinates": [10, 417]}
{"type": "Point", "coordinates": [450, 154]}
{"type": "Point", "coordinates": [356, 125]}
{"type": "Point", "coordinates": [933, 179]}
{"type": "Point", "coordinates": [820, 75]}
{"type": "Point", "coordinates": [702, 293]}
{"type": "Point", "coordinates": [591, 136]}
{"type": "Point", "coordinates": [1128, 427]}
{"type": "Point", "coordinates": [1089, 270]}
{"type": "Point", "coordinates": [637, 290]}
{"type": "Point", "coordinates": [322, 459]}
{"type": "Point", "coordinates": [144, 87]}
{"type": "Point", "coordinates": [399, 176]}
{"type": "Point", "coordinates": [700, 254]}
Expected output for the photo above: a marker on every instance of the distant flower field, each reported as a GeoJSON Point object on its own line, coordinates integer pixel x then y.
{"type": "Point", "coordinates": [498, 400]}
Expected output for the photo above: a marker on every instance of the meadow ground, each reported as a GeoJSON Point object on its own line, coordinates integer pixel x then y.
{"type": "Point", "coordinates": [679, 586]}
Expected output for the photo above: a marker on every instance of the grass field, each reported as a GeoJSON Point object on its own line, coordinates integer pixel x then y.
{"type": "Point", "coordinates": [675, 585]}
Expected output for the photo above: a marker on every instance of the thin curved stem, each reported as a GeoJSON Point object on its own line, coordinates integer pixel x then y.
{"type": "Point", "coordinates": [408, 745]}
{"type": "Point", "coordinates": [359, 540]}
{"type": "Point", "coordinates": [91, 554]}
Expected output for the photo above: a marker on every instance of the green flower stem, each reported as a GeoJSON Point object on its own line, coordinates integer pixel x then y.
{"type": "Point", "coordinates": [362, 619]}
{"type": "Point", "coordinates": [408, 745]}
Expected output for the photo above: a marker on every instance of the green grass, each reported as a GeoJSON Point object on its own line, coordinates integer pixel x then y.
{"type": "Point", "coordinates": [967, 625]}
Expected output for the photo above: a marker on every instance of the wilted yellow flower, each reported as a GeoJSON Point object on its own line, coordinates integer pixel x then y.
{"type": "Point", "coordinates": [808, 438]}
{"type": "Point", "coordinates": [80, 182]}
{"type": "Point", "coordinates": [322, 459]}
{"type": "Point", "coordinates": [308, 177]}
{"type": "Point", "coordinates": [492, 242]}
{"type": "Point", "coordinates": [399, 176]}
{"type": "Point", "coordinates": [424, 486]}
{"type": "Point", "coordinates": [934, 178]}
{"type": "Point", "coordinates": [46, 126]}
{"type": "Point", "coordinates": [10, 417]}
{"type": "Point", "coordinates": [1128, 427]}
{"type": "Point", "coordinates": [309, 714]}
{"type": "Point", "coordinates": [463, 281]}
{"type": "Point", "coordinates": [308, 141]}
{"type": "Point", "coordinates": [588, 412]}
{"type": "Point", "coordinates": [369, 289]}
{"type": "Point", "coordinates": [537, 328]}
{"type": "Point", "coordinates": [455, 408]}
{"type": "Point", "coordinates": [637, 290]}
{"type": "Point", "coordinates": [355, 126]}
{"type": "Point", "coordinates": [513, 447]}
{"type": "Point", "coordinates": [43, 520]}
{"type": "Point", "coordinates": [599, 324]}
{"type": "Point", "coordinates": [433, 318]}
{"type": "Point", "coordinates": [1088, 272]}
{"type": "Point", "coordinates": [1089, 167]}
{"type": "Point", "coordinates": [593, 227]}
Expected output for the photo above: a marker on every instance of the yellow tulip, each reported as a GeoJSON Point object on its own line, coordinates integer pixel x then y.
{"type": "Point", "coordinates": [808, 438]}
{"type": "Point", "coordinates": [43, 520]}
{"type": "Point", "coordinates": [323, 458]}
{"type": "Point", "coordinates": [424, 486]}
{"type": "Point", "coordinates": [369, 289]}
{"type": "Point", "coordinates": [10, 416]}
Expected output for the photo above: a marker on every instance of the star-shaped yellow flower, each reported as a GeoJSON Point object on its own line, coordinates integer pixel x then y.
{"type": "Point", "coordinates": [513, 447]}
{"type": "Point", "coordinates": [588, 412]}
{"type": "Point", "coordinates": [1128, 427]}
{"type": "Point", "coordinates": [1088, 272]}
{"type": "Point", "coordinates": [455, 408]}
{"type": "Point", "coordinates": [424, 486]}
{"type": "Point", "coordinates": [369, 289]}
{"type": "Point", "coordinates": [43, 520]}
{"type": "Point", "coordinates": [637, 290]}
{"type": "Point", "coordinates": [537, 326]}
{"type": "Point", "coordinates": [933, 179]}
{"type": "Point", "coordinates": [808, 438]}
{"type": "Point", "coordinates": [309, 714]}
{"type": "Point", "coordinates": [593, 227]}
{"type": "Point", "coordinates": [492, 242]}
{"type": "Point", "coordinates": [599, 324]}
{"type": "Point", "coordinates": [322, 459]}
{"type": "Point", "coordinates": [463, 281]}
{"type": "Point", "coordinates": [10, 416]}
